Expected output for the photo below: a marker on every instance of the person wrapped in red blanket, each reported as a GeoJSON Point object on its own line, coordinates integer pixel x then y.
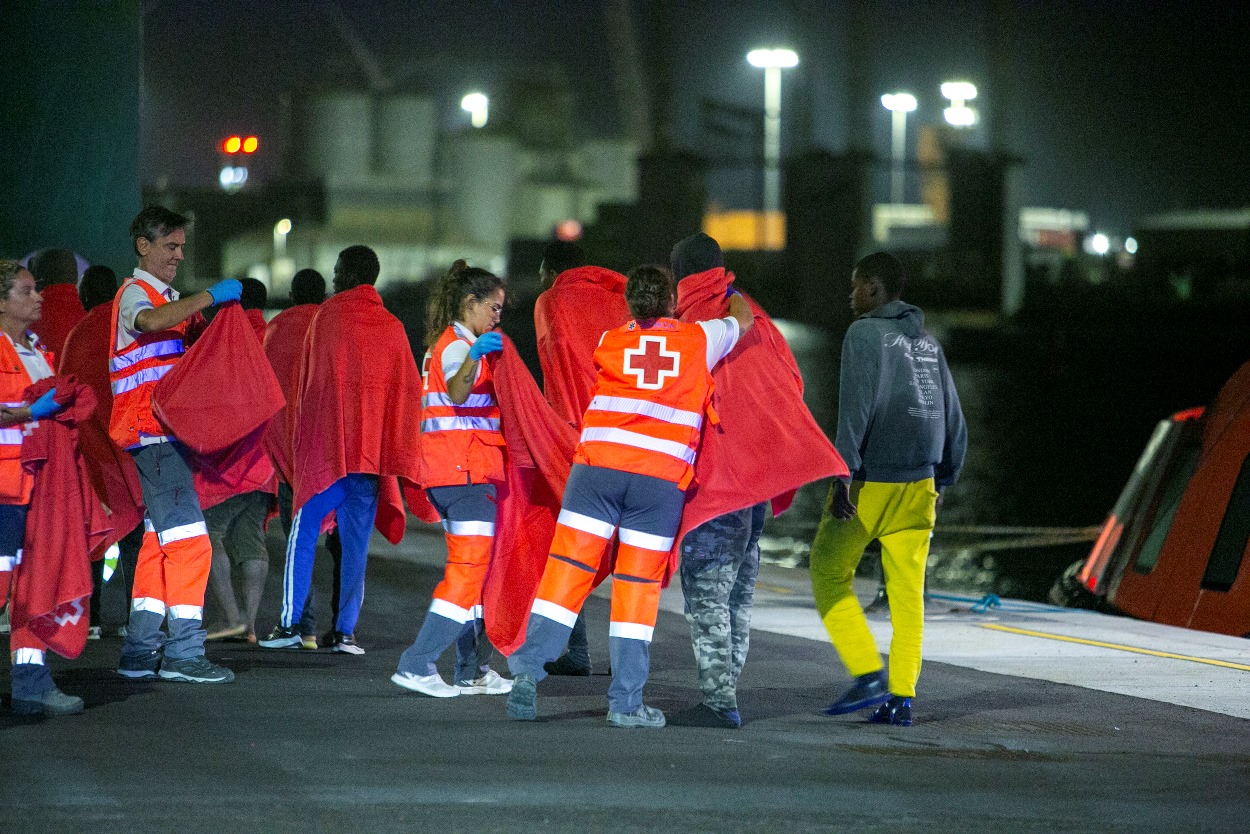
{"type": "Point", "coordinates": [355, 415]}
{"type": "Point", "coordinates": [48, 570]}
{"type": "Point", "coordinates": [578, 305]}
{"type": "Point", "coordinates": [766, 446]}
{"type": "Point", "coordinates": [56, 276]}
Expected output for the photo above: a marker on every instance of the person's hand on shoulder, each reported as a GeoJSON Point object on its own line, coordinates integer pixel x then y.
{"type": "Point", "coordinates": [489, 342]}
{"type": "Point", "coordinates": [227, 290]}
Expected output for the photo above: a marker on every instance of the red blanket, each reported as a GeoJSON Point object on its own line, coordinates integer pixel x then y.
{"type": "Point", "coordinates": [284, 347]}
{"type": "Point", "coordinates": [540, 454]}
{"type": "Point", "coordinates": [570, 318]}
{"type": "Point", "coordinates": [112, 471]}
{"type": "Point", "coordinates": [65, 528]}
{"type": "Point", "coordinates": [222, 390]}
{"type": "Point", "coordinates": [359, 403]}
{"type": "Point", "coordinates": [61, 311]}
{"type": "Point", "coordinates": [767, 443]}
{"type": "Point", "coordinates": [217, 401]}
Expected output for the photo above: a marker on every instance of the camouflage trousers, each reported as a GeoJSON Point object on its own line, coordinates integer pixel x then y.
{"type": "Point", "coordinates": [720, 560]}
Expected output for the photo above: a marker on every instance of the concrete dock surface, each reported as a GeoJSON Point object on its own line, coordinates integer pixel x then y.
{"type": "Point", "coordinates": [1137, 727]}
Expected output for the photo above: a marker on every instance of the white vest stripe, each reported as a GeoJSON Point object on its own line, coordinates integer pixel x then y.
{"type": "Point", "coordinates": [639, 441]}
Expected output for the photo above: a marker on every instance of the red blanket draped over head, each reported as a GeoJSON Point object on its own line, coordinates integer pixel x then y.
{"type": "Point", "coordinates": [570, 318]}
{"type": "Point", "coordinates": [65, 527]}
{"type": "Point", "coordinates": [113, 472]}
{"type": "Point", "coordinates": [218, 401]}
{"type": "Point", "coordinates": [284, 347]}
{"type": "Point", "coordinates": [540, 453]}
{"type": "Point", "coordinates": [359, 404]}
{"type": "Point", "coordinates": [767, 444]}
{"type": "Point", "coordinates": [61, 311]}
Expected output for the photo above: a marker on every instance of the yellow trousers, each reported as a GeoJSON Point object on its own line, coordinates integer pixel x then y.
{"type": "Point", "coordinates": [901, 517]}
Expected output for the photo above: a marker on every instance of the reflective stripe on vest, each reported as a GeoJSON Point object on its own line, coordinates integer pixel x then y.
{"type": "Point", "coordinates": [135, 370]}
{"type": "Point", "coordinates": [652, 390]}
{"type": "Point", "coordinates": [460, 443]}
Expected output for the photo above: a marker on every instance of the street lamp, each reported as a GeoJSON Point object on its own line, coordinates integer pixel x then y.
{"type": "Point", "coordinates": [959, 93]}
{"type": "Point", "coordinates": [477, 106]}
{"type": "Point", "coordinates": [772, 61]}
{"type": "Point", "coordinates": [899, 105]}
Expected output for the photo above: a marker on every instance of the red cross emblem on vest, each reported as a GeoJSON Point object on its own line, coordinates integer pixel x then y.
{"type": "Point", "coordinates": [652, 362]}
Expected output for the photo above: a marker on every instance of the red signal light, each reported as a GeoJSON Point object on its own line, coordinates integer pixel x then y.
{"type": "Point", "coordinates": [231, 144]}
{"type": "Point", "coordinates": [250, 144]}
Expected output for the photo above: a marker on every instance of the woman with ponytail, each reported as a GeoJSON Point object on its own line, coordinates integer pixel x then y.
{"type": "Point", "coordinates": [462, 459]}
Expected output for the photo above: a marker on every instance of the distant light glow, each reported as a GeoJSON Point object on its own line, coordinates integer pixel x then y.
{"type": "Point", "coordinates": [283, 226]}
{"type": "Point", "coordinates": [232, 177]}
{"type": "Point", "coordinates": [1130, 245]}
{"type": "Point", "coordinates": [477, 105]}
{"type": "Point", "coordinates": [568, 230]}
{"type": "Point", "coordinates": [250, 144]}
{"type": "Point", "coordinates": [959, 91]}
{"type": "Point", "coordinates": [960, 116]}
{"type": "Point", "coordinates": [899, 102]}
{"type": "Point", "coordinates": [780, 58]}
{"type": "Point", "coordinates": [231, 144]}
{"type": "Point", "coordinates": [1099, 244]}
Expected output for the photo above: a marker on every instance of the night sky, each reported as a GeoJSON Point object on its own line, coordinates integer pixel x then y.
{"type": "Point", "coordinates": [1118, 109]}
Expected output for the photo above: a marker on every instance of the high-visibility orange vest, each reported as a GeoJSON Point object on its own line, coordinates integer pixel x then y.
{"type": "Point", "coordinates": [135, 370]}
{"type": "Point", "coordinates": [15, 482]}
{"type": "Point", "coordinates": [647, 408]}
{"type": "Point", "coordinates": [460, 444]}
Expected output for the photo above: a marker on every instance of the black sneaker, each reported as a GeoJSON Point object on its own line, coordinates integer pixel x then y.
{"type": "Point", "coordinates": [868, 691]}
{"type": "Point", "coordinates": [896, 711]}
{"type": "Point", "coordinates": [346, 643]}
{"type": "Point", "coordinates": [282, 638]}
{"type": "Point", "coordinates": [140, 668]}
{"type": "Point", "coordinates": [565, 665]}
{"type": "Point", "coordinates": [198, 669]}
{"type": "Point", "coordinates": [522, 702]}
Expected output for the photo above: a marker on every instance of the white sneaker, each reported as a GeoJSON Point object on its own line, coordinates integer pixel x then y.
{"type": "Point", "coordinates": [431, 685]}
{"type": "Point", "coordinates": [489, 684]}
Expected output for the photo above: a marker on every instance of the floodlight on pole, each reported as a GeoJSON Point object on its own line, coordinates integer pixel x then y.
{"type": "Point", "coordinates": [899, 105]}
{"type": "Point", "coordinates": [477, 105]}
{"type": "Point", "coordinates": [772, 61]}
{"type": "Point", "coordinates": [959, 93]}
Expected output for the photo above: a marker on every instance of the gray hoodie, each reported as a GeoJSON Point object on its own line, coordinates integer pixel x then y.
{"type": "Point", "coordinates": [898, 414]}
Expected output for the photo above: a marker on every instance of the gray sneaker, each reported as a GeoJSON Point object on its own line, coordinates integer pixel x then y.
{"type": "Point", "coordinates": [198, 669]}
{"type": "Point", "coordinates": [644, 716]}
{"type": "Point", "coordinates": [140, 668]}
{"type": "Point", "coordinates": [523, 699]}
{"type": "Point", "coordinates": [50, 703]}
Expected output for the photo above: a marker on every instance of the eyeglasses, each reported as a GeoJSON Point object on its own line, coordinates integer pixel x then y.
{"type": "Point", "coordinates": [497, 309]}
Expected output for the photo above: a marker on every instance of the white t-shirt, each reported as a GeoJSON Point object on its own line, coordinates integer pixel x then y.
{"type": "Point", "coordinates": [134, 301]}
{"type": "Point", "coordinates": [722, 335]}
{"type": "Point", "coordinates": [458, 351]}
{"type": "Point", "coordinates": [36, 366]}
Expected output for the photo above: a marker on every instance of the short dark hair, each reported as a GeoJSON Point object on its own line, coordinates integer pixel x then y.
{"type": "Point", "coordinates": [649, 292]}
{"type": "Point", "coordinates": [154, 222]}
{"type": "Point", "coordinates": [361, 263]}
{"type": "Point", "coordinates": [98, 286]}
{"type": "Point", "coordinates": [563, 255]}
{"type": "Point", "coordinates": [885, 268]}
{"type": "Point", "coordinates": [255, 294]}
{"type": "Point", "coordinates": [308, 286]}
{"type": "Point", "coordinates": [54, 266]}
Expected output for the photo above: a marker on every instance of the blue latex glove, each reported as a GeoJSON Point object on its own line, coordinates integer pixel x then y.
{"type": "Point", "coordinates": [227, 290]}
{"type": "Point", "coordinates": [729, 291]}
{"type": "Point", "coordinates": [45, 406]}
{"type": "Point", "coordinates": [489, 342]}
